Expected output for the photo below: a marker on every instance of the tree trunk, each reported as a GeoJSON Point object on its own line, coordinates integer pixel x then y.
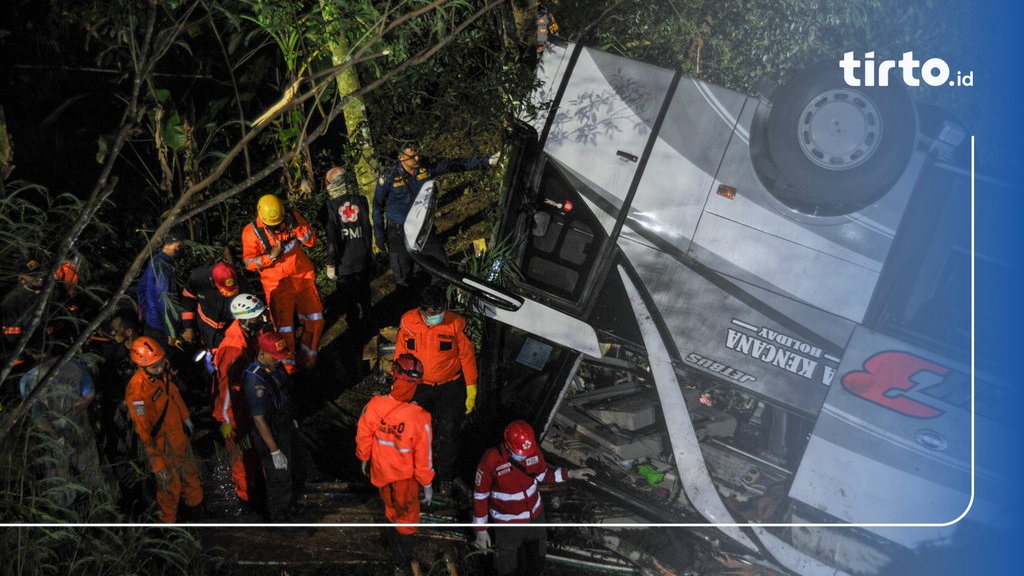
{"type": "Point", "coordinates": [524, 12]}
{"type": "Point", "coordinates": [356, 124]}
{"type": "Point", "coordinates": [354, 110]}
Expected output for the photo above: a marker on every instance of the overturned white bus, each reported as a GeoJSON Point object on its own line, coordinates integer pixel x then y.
{"type": "Point", "coordinates": [780, 288]}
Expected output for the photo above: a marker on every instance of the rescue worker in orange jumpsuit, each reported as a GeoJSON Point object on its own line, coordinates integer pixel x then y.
{"type": "Point", "coordinates": [272, 246]}
{"type": "Point", "coordinates": [393, 439]}
{"type": "Point", "coordinates": [448, 391]}
{"type": "Point", "coordinates": [163, 425]}
{"type": "Point", "coordinates": [236, 351]}
{"type": "Point", "coordinates": [506, 490]}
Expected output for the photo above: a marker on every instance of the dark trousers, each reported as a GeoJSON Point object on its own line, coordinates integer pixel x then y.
{"type": "Point", "coordinates": [283, 486]}
{"type": "Point", "coordinates": [401, 547]}
{"type": "Point", "coordinates": [447, 406]}
{"type": "Point", "coordinates": [400, 260]}
{"type": "Point", "coordinates": [520, 548]}
{"type": "Point", "coordinates": [353, 297]}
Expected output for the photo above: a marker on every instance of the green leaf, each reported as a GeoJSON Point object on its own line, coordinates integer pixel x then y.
{"type": "Point", "coordinates": [173, 132]}
{"type": "Point", "coordinates": [102, 149]}
{"type": "Point", "coordinates": [161, 95]}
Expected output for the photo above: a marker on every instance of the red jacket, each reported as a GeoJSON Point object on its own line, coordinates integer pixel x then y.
{"type": "Point", "coordinates": [508, 491]}
{"type": "Point", "coordinates": [444, 349]}
{"type": "Point", "coordinates": [258, 240]}
{"type": "Point", "coordinates": [395, 437]}
{"type": "Point", "coordinates": [158, 411]}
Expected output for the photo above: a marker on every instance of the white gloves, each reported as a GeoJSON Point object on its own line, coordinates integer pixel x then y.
{"type": "Point", "coordinates": [365, 466]}
{"type": "Point", "coordinates": [331, 273]}
{"type": "Point", "coordinates": [493, 160]}
{"type": "Point", "coordinates": [581, 473]}
{"type": "Point", "coordinates": [280, 460]}
{"type": "Point", "coordinates": [428, 494]}
{"type": "Point", "coordinates": [483, 540]}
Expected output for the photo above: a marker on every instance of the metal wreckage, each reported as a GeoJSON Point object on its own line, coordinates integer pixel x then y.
{"type": "Point", "coordinates": [752, 314]}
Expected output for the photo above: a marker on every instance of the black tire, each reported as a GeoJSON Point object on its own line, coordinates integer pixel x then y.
{"type": "Point", "coordinates": [836, 149]}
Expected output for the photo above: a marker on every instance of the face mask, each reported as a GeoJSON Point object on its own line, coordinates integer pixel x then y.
{"type": "Point", "coordinates": [435, 319]}
{"type": "Point", "coordinates": [337, 189]}
{"type": "Point", "coordinates": [517, 457]}
{"type": "Point", "coordinates": [255, 325]}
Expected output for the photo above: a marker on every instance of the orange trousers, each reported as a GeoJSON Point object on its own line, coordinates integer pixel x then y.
{"type": "Point", "coordinates": [245, 466]}
{"type": "Point", "coordinates": [402, 503]}
{"type": "Point", "coordinates": [182, 485]}
{"type": "Point", "coordinates": [292, 299]}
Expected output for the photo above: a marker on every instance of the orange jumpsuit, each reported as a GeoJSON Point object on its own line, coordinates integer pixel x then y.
{"type": "Point", "coordinates": [444, 349]}
{"type": "Point", "coordinates": [159, 414]}
{"type": "Point", "coordinates": [229, 405]}
{"type": "Point", "coordinates": [289, 284]}
{"type": "Point", "coordinates": [449, 366]}
{"type": "Point", "coordinates": [395, 437]}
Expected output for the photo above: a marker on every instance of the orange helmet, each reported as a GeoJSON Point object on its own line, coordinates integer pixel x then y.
{"type": "Point", "coordinates": [520, 439]}
{"type": "Point", "coordinates": [146, 352]}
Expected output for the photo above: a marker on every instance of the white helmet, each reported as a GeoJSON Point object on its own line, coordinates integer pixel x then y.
{"type": "Point", "coordinates": [246, 306]}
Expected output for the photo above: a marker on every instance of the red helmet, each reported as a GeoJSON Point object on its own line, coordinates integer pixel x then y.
{"type": "Point", "coordinates": [520, 439]}
{"type": "Point", "coordinates": [407, 367]}
{"type": "Point", "coordinates": [224, 278]}
{"type": "Point", "coordinates": [146, 352]}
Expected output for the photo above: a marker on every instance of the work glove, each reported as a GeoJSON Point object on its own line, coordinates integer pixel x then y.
{"type": "Point", "coordinates": [581, 473]}
{"type": "Point", "coordinates": [470, 398]}
{"type": "Point", "coordinates": [331, 273]}
{"type": "Point", "coordinates": [483, 540]}
{"type": "Point", "coordinates": [280, 460]}
{"type": "Point", "coordinates": [190, 428]}
{"type": "Point", "coordinates": [188, 335]}
{"type": "Point", "coordinates": [207, 359]}
{"type": "Point", "coordinates": [494, 159]}
{"type": "Point", "coordinates": [226, 429]}
{"type": "Point", "coordinates": [365, 467]}
{"type": "Point", "coordinates": [428, 494]}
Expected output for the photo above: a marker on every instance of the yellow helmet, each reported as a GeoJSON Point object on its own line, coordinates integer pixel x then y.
{"type": "Point", "coordinates": [271, 209]}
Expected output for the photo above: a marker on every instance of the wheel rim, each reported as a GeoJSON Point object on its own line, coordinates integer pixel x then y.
{"type": "Point", "coordinates": [839, 130]}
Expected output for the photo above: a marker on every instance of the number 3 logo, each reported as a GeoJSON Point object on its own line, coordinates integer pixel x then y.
{"type": "Point", "coordinates": [885, 375]}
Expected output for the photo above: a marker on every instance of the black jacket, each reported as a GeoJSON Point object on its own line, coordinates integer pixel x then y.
{"type": "Point", "coordinates": [349, 234]}
{"type": "Point", "coordinates": [205, 309]}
